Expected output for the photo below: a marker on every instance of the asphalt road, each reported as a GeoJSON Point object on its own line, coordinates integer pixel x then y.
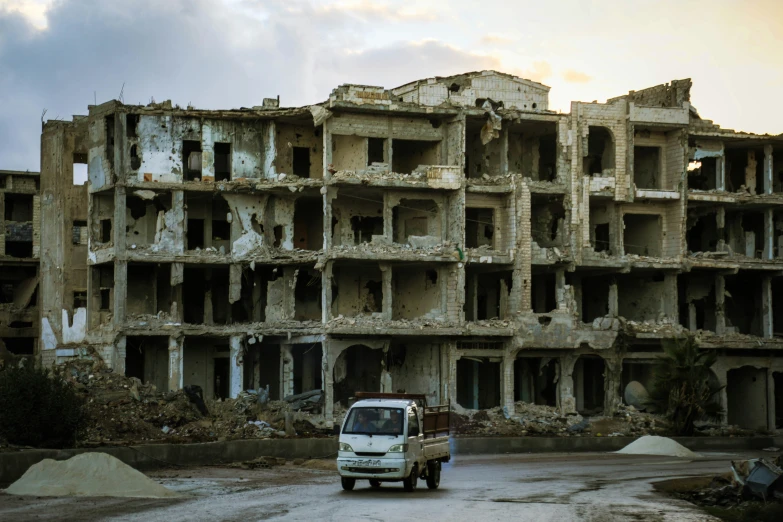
{"type": "Point", "coordinates": [542, 487]}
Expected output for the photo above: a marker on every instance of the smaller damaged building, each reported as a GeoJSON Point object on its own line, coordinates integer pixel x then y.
{"type": "Point", "coordinates": [20, 249]}
{"type": "Point", "coordinates": [451, 237]}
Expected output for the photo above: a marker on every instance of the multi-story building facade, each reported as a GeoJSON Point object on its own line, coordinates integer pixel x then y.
{"type": "Point", "coordinates": [451, 237]}
{"type": "Point", "coordinates": [20, 248]}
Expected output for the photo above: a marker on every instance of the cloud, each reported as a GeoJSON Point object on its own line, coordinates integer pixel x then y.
{"type": "Point", "coordinates": [373, 11]}
{"type": "Point", "coordinates": [496, 39]}
{"type": "Point", "coordinates": [32, 10]}
{"type": "Point", "coordinates": [572, 76]}
{"type": "Point", "coordinates": [539, 72]}
{"type": "Point", "coordinates": [208, 53]}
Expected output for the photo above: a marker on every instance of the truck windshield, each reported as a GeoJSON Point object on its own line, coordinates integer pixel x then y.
{"type": "Point", "coordinates": [374, 421]}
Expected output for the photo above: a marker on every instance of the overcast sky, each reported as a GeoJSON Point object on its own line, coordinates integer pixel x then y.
{"type": "Point", "coordinates": [65, 54]}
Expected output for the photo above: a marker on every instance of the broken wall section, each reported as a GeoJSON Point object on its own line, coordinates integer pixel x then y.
{"type": "Point", "coordinates": [489, 222]}
{"type": "Point", "coordinates": [532, 150]}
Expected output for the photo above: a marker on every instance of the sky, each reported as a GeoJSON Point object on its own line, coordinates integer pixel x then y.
{"type": "Point", "coordinates": [59, 56]}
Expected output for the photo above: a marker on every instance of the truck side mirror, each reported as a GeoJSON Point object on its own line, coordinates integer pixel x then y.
{"type": "Point", "coordinates": [335, 429]}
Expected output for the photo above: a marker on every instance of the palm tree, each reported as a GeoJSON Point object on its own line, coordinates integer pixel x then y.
{"type": "Point", "coordinates": [681, 386]}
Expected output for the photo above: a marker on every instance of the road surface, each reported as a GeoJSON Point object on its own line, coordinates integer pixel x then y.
{"type": "Point", "coordinates": [541, 487]}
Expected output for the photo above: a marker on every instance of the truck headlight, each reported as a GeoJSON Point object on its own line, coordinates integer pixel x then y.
{"type": "Point", "coordinates": [398, 448]}
{"type": "Point", "coordinates": [345, 447]}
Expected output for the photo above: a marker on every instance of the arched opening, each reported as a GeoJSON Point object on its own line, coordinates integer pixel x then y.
{"type": "Point", "coordinates": [746, 390]}
{"type": "Point", "coordinates": [357, 368]}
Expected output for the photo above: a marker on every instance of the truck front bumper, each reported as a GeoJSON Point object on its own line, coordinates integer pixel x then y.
{"type": "Point", "coordinates": [364, 468]}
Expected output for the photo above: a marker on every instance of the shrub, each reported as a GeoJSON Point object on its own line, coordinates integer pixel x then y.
{"type": "Point", "coordinates": [682, 389]}
{"type": "Point", "coordinates": [38, 409]}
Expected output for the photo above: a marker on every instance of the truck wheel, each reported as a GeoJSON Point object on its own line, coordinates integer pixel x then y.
{"type": "Point", "coordinates": [410, 483]}
{"type": "Point", "coordinates": [433, 474]}
{"type": "Point", "coordinates": [348, 483]}
{"type": "Point", "coordinates": [375, 483]}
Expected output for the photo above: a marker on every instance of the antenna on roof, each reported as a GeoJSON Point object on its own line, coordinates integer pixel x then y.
{"type": "Point", "coordinates": [122, 91]}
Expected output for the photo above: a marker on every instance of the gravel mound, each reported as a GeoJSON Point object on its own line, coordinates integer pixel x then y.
{"type": "Point", "coordinates": [87, 475]}
{"type": "Point", "coordinates": [654, 445]}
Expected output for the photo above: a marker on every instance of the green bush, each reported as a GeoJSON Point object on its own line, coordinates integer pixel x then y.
{"type": "Point", "coordinates": [38, 409]}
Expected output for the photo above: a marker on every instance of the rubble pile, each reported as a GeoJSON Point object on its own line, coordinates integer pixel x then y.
{"type": "Point", "coordinates": [751, 490]}
{"type": "Point", "coordinates": [122, 410]}
{"type": "Point", "coordinates": [539, 420]}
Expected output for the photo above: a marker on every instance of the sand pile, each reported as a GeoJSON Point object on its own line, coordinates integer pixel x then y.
{"type": "Point", "coordinates": [87, 475]}
{"type": "Point", "coordinates": [654, 445]}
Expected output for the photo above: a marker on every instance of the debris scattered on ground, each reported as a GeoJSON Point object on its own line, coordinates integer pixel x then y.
{"type": "Point", "coordinates": [540, 420]}
{"type": "Point", "coordinates": [654, 445]}
{"type": "Point", "coordinates": [751, 491]}
{"type": "Point", "coordinates": [122, 410]}
{"type": "Point", "coordinates": [87, 475]}
{"type": "Point", "coordinates": [259, 463]}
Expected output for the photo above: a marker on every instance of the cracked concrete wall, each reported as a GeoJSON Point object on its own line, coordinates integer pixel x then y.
{"type": "Point", "coordinates": [418, 293]}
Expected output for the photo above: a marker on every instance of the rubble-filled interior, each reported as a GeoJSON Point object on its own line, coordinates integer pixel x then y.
{"type": "Point", "coordinates": [450, 237]}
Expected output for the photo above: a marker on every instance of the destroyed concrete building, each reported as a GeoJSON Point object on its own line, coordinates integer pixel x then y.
{"type": "Point", "coordinates": [451, 237]}
{"type": "Point", "coordinates": [20, 247]}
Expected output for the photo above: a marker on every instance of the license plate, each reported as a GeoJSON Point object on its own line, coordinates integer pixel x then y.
{"type": "Point", "coordinates": [370, 463]}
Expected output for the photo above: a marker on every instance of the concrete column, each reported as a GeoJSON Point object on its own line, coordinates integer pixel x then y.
{"type": "Point", "coordinates": [670, 305]}
{"type": "Point", "coordinates": [767, 169]}
{"type": "Point", "coordinates": [504, 150]}
{"type": "Point", "coordinates": [444, 356]}
{"type": "Point", "coordinates": [504, 298]}
{"type": "Point", "coordinates": [560, 297]}
{"type": "Point", "coordinates": [721, 373]}
{"type": "Point", "coordinates": [769, 234]}
{"type": "Point", "coordinates": [576, 284]}
{"type": "Point", "coordinates": [120, 292]}
{"type": "Point", "coordinates": [235, 366]}
{"type": "Point", "coordinates": [692, 317]}
{"type": "Point", "coordinates": [720, 172]}
{"type": "Point", "coordinates": [176, 357]}
{"type": "Point", "coordinates": [327, 373]}
{"type": "Point", "coordinates": [452, 375]}
{"type": "Point", "coordinates": [234, 282]}
{"type": "Point", "coordinates": [614, 306]}
{"type": "Point", "coordinates": [178, 206]}
{"type": "Point", "coordinates": [475, 391]}
{"type": "Point", "coordinates": [119, 222]}
{"type": "Point", "coordinates": [386, 282]}
{"type": "Point", "coordinates": [766, 307]}
{"type": "Point", "coordinates": [612, 381]}
{"type": "Point", "coordinates": [771, 399]}
{"type": "Point", "coordinates": [326, 292]}
{"type": "Point", "coordinates": [117, 361]}
{"type": "Point", "coordinates": [720, 299]}
{"type": "Point", "coordinates": [177, 279]}
{"type": "Point", "coordinates": [327, 130]}
{"type": "Point", "coordinates": [507, 387]}
{"type": "Point", "coordinates": [329, 193]}
{"type": "Point", "coordinates": [566, 395]}
{"type": "Point", "coordinates": [287, 369]}
{"type": "Point", "coordinates": [750, 244]}
{"type": "Point", "coordinates": [388, 217]}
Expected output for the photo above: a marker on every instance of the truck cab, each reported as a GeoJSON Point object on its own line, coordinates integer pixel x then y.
{"type": "Point", "coordinates": [393, 438]}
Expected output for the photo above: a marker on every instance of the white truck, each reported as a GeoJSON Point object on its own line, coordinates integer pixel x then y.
{"type": "Point", "coordinates": [393, 437]}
